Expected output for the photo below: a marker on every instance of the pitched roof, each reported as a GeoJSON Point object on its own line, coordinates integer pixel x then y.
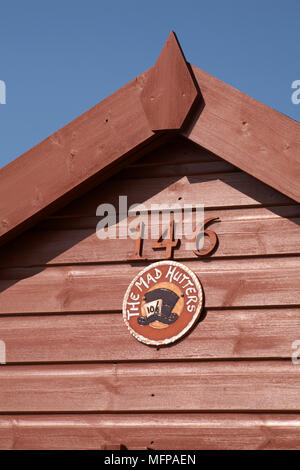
{"type": "Point", "coordinates": [172, 96]}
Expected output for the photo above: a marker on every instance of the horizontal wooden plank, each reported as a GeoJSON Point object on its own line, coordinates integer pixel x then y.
{"type": "Point", "coordinates": [177, 169]}
{"type": "Point", "coordinates": [254, 333]}
{"type": "Point", "coordinates": [183, 386]}
{"type": "Point", "coordinates": [248, 134]}
{"type": "Point", "coordinates": [226, 283]}
{"type": "Point", "coordinates": [224, 214]}
{"type": "Point", "coordinates": [157, 431]}
{"type": "Point", "coordinates": [73, 159]}
{"type": "Point", "coordinates": [230, 189]}
{"type": "Point", "coordinates": [177, 150]}
{"type": "Point", "coordinates": [236, 238]}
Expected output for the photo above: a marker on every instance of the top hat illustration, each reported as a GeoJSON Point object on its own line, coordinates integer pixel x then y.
{"type": "Point", "coordinates": [159, 304]}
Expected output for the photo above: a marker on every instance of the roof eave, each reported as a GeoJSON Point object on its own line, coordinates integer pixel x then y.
{"type": "Point", "coordinates": [163, 100]}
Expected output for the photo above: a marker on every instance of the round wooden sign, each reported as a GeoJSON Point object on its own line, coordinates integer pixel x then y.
{"type": "Point", "coordinates": [162, 303]}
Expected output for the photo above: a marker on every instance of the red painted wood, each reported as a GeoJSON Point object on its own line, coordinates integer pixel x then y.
{"type": "Point", "coordinates": [57, 222]}
{"type": "Point", "coordinates": [169, 90]}
{"type": "Point", "coordinates": [248, 134]}
{"type": "Point", "coordinates": [177, 150]}
{"type": "Point", "coordinates": [248, 237]}
{"type": "Point", "coordinates": [226, 283]}
{"type": "Point", "coordinates": [213, 191]}
{"type": "Point", "coordinates": [182, 386]}
{"type": "Point", "coordinates": [63, 165]}
{"type": "Point", "coordinates": [183, 169]}
{"type": "Point", "coordinates": [157, 431]}
{"type": "Point", "coordinates": [85, 152]}
{"type": "Point", "coordinates": [222, 334]}
{"type": "Point", "coordinates": [236, 359]}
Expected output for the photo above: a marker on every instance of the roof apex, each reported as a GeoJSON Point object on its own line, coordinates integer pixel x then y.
{"type": "Point", "coordinates": [119, 129]}
{"type": "Point", "coordinates": [170, 90]}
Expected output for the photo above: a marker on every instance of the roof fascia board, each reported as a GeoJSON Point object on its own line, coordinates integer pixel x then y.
{"type": "Point", "coordinates": [248, 134]}
{"type": "Point", "coordinates": [92, 147]}
{"type": "Point", "coordinates": [92, 144]}
{"type": "Point", "coordinates": [225, 121]}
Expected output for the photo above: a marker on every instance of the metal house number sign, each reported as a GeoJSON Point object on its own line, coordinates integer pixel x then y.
{"type": "Point", "coordinates": [169, 244]}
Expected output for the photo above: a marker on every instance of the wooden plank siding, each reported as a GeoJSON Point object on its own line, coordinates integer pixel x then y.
{"type": "Point", "coordinates": [230, 189]}
{"type": "Point", "coordinates": [221, 334]}
{"type": "Point", "coordinates": [75, 378]}
{"type": "Point", "coordinates": [238, 237]}
{"type": "Point", "coordinates": [151, 431]}
{"type": "Point", "coordinates": [100, 288]}
{"type": "Point", "coordinates": [163, 386]}
{"type": "Point", "coordinates": [248, 134]}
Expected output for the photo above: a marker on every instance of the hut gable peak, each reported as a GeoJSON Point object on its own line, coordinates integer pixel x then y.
{"type": "Point", "coordinates": [171, 97]}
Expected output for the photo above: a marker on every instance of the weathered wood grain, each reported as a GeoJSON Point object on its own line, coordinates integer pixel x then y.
{"type": "Point", "coordinates": [52, 172]}
{"type": "Point", "coordinates": [226, 283]}
{"type": "Point", "coordinates": [228, 189]}
{"type": "Point", "coordinates": [184, 386]}
{"type": "Point", "coordinates": [68, 283]}
{"type": "Point", "coordinates": [222, 334]}
{"type": "Point", "coordinates": [178, 157]}
{"type": "Point", "coordinates": [177, 150]}
{"type": "Point", "coordinates": [57, 222]}
{"type": "Point", "coordinates": [254, 237]}
{"type": "Point", "coordinates": [248, 134]}
{"type": "Point", "coordinates": [169, 90]}
{"type": "Point", "coordinates": [157, 431]}
{"type": "Point", "coordinates": [179, 169]}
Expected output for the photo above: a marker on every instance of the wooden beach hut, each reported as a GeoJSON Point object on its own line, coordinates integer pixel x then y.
{"type": "Point", "coordinates": [74, 377]}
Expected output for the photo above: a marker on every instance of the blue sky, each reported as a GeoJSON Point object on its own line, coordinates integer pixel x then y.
{"type": "Point", "coordinates": [59, 58]}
